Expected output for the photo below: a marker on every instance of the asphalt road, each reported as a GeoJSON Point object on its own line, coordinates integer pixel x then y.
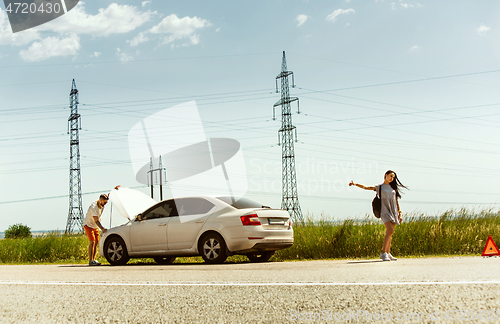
{"type": "Point", "coordinates": [433, 290]}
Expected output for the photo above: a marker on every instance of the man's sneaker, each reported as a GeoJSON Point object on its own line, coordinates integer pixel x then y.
{"type": "Point", "coordinates": [385, 257]}
{"type": "Point", "coordinates": [94, 263]}
{"type": "Point", "coordinates": [391, 257]}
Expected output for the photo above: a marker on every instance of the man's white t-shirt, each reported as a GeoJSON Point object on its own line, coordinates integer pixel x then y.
{"type": "Point", "coordinates": [93, 211]}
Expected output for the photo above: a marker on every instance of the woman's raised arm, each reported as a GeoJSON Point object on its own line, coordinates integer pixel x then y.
{"type": "Point", "coordinates": [361, 186]}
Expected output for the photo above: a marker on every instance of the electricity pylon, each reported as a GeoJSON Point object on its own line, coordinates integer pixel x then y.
{"type": "Point", "coordinates": [290, 199]}
{"type": "Point", "coordinates": [75, 214]}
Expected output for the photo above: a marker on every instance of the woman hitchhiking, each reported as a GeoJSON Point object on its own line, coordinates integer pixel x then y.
{"type": "Point", "coordinates": [390, 213]}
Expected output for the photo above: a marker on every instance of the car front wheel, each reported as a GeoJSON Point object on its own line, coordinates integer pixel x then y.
{"type": "Point", "coordinates": [260, 256]}
{"type": "Point", "coordinates": [213, 248]}
{"type": "Point", "coordinates": [115, 251]}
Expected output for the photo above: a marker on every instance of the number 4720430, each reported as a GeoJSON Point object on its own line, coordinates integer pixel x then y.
{"type": "Point", "coordinates": [469, 315]}
{"type": "Point", "coordinates": [33, 8]}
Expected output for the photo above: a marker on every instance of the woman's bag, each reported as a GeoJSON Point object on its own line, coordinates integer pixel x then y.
{"type": "Point", "coordinates": [377, 203]}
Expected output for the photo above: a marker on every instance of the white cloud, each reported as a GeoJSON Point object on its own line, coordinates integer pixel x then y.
{"type": "Point", "coordinates": [415, 49]}
{"type": "Point", "coordinates": [144, 3]}
{"type": "Point", "coordinates": [217, 30]}
{"type": "Point", "coordinates": [482, 30]}
{"type": "Point", "coordinates": [405, 5]}
{"type": "Point", "coordinates": [140, 38]}
{"type": "Point", "coordinates": [408, 6]}
{"type": "Point", "coordinates": [96, 54]}
{"type": "Point", "coordinates": [7, 37]}
{"type": "Point", "coordinates": [180, 28]}
{"type": "Point", "coordinates": [333, 16]}
{"type": "Point", "coordinates": [124, 57]}
{"type": "Point", "coordinates": [193, 40]}
{"type": "Point", "coordinates": [51, 47]}
{"type": "Point", "coordinates": [301, 19]}
{"type": "Point", "coordinates": [115, 19]}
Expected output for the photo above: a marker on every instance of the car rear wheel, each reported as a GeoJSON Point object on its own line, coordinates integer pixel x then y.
{"type": "Point", "coordinates": [164, 260]}
{"type": "Point", "coordinates": [260, 256]}
{"type": "Point", "coordinates": [115, 251]}
{"type": "Point", "coordinates": [213, 248]}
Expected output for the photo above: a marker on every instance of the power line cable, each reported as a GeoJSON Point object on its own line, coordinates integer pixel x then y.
{"type": "Point", "coordinates": [386, 70]}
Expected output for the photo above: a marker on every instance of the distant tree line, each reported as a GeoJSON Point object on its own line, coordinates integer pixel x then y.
{"type": "Point", "coordinates": [18, 231]}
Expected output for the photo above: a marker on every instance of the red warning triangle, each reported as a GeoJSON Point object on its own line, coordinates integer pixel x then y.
{"type": "Point", "coordinates": [490, 249]}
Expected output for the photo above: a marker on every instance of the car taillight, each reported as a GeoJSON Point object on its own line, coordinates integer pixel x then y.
{"type": "Point", "coordinates": [250, 220]}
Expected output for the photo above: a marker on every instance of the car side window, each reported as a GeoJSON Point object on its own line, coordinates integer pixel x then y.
{"type": "Point", "coordinates": [163, 210]}
{"type": "Point", "coordinates": [169, 208]}
{"type": "Point", "coordinates": [193, 206]}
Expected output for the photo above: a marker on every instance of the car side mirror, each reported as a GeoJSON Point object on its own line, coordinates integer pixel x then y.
{"type": "Point", "coordinates": [138, 217]}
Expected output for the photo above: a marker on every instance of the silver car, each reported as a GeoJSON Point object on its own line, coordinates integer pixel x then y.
{"type": "Point", "coordinates": [213, 227]}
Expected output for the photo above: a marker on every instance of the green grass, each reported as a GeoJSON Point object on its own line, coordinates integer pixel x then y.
{"type": "Point", "coordinates": [455, 232]}
{"type": "Point", "coordinates": [48, 248]}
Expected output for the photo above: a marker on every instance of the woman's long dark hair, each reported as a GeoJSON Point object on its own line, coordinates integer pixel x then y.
{"type": "Point", "coordinates": [396, 184]}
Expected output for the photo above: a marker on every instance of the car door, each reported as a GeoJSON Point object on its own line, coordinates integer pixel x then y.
{"type": "Point", "coordinates": [149, 232]}
{"type": "Point", "coordinates": [184, 228]}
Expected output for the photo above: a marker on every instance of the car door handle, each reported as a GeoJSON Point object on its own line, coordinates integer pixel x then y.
{"type": "Point", "coordinates": [200, 221]}
{"type": "Point", "coordinates": [165, 224]}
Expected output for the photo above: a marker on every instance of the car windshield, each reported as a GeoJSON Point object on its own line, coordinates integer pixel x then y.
{"type": "Point", "coordinates": [240, 203]}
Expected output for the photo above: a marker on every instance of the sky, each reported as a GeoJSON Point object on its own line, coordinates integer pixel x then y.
{"type": "Point", "coordinates": [410, 86]}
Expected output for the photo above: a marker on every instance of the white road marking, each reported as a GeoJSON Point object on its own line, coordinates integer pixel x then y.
{"type": "Point", "coordinates": [243, 284]}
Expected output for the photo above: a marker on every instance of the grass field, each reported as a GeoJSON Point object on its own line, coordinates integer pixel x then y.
{"type": "Point", "coordinates": [455, 232]}
{"type": "Point", "coordinates": [459, 232]}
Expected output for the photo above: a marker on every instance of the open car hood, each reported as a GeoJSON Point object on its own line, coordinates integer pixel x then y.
{"type": "Point", "coordinates": [130, 202]}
